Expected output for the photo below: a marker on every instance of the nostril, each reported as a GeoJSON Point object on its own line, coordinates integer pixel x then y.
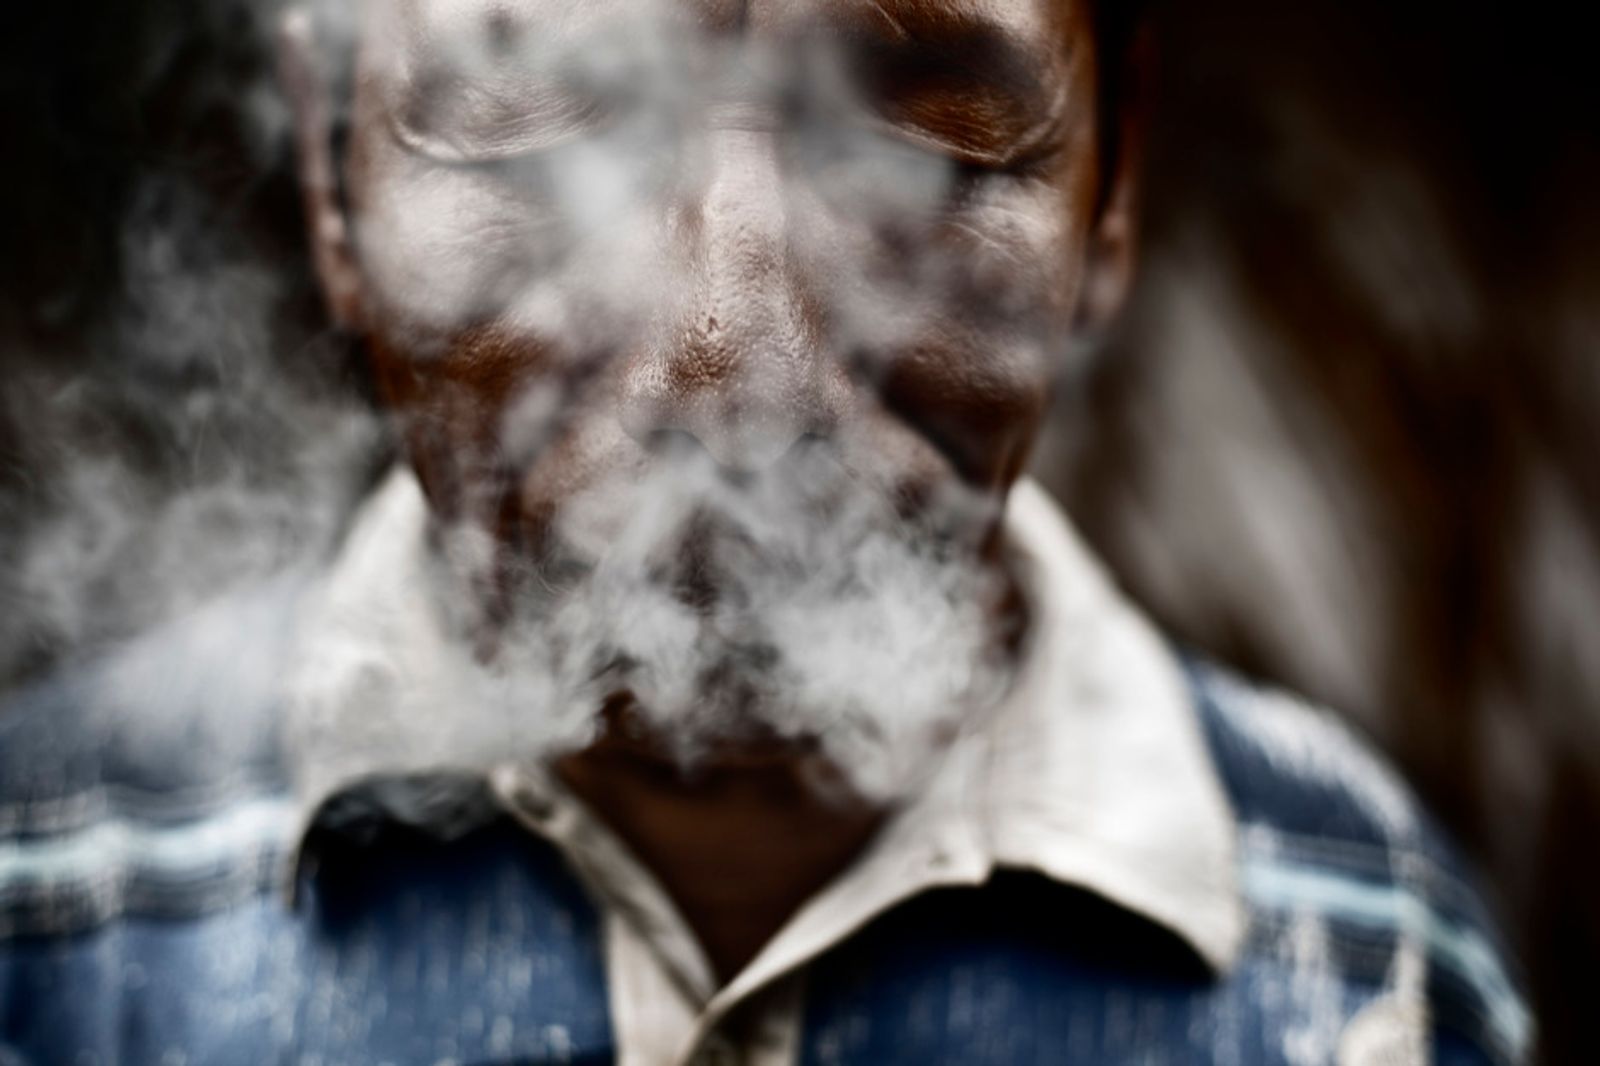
{"type": "Point", "coordinates": [671, 443]}
{"type": "Point", "coordinates": [736, 449]}
{"type": "Point", "coordinates": [742, 447]}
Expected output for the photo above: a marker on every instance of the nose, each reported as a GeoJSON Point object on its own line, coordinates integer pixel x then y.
{"type": "Point", "coordinates": [740, 364]}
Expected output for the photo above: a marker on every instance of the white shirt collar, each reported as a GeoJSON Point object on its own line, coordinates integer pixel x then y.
{"type": "Point", "coordinates": [1099, 774]}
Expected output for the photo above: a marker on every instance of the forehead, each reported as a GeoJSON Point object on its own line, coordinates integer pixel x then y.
{"type": "Point", "coordinates": [423, 26]}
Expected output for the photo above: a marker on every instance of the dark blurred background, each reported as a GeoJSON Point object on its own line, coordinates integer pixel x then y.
{"type": "Point", "coordinates": [1346, 439]}
{"type": "Point", "coordinates": [1341, 441]}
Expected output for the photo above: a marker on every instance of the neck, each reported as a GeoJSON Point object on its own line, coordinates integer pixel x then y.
{"type": "Point", "coordinates": [738, 844]}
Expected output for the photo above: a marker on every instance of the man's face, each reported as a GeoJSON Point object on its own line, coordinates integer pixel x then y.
{"type": "Point", "coordinates": [719, 332]}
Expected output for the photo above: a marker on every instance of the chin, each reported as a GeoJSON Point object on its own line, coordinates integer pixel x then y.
{"type": "Point", "coordinates": [628, 729]}
{"type": "Point", "coordinates": [821, 605]}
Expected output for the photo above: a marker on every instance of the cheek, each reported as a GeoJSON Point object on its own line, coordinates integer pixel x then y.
{"type": "Point", "coordinates": [474, 408]}
{"type": "Point", "coordinates": [440, 247]}
{"type": "Point", "coordinates": [977, 397]}
{"type": "Point", "coordinates": [446, 250]}
{"type": "Point", "coordinates": [472, 312]}
{"type": "Point", "coordinates": [1021, 246]}
{"type": "Point", "coordinates": [974, 373]}
{"type": "Point", "coordinates": [445, 414]}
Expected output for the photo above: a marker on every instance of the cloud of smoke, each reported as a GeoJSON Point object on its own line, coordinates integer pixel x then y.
{"type": "Point", "coordinates": [794, 602]}
{"type": "Point", "coordinates": [797, 603]}
{"type": "Point", "coordinates": [182, 450]}
{"type": "Point", "coordinates": [189, 457]}
{"type": "Point", "coordinates": [800, 608]}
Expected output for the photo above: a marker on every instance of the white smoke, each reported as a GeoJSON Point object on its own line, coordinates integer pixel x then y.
{"type": "Point", "coordinates": [801, 602]}
{"type": "Point", "coordinates": [188, 455]}
{"type": "Point", "coordinates": [802, 608]}
{"type": "Point", "coordinates": [187, 462]}
{"type": "Point", "coordinates": [795, 602]}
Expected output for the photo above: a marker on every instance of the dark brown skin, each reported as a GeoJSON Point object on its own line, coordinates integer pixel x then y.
{"type": "Point", "coordinates": [744, 363]}
{"type": "Point", "coordinates": [739, 844]}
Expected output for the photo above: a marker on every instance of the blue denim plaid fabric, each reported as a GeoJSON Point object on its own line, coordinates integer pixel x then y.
{"type": "Point", "coordinates": [142, 921]}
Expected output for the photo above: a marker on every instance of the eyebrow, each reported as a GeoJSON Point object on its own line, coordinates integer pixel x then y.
{"type": "Point", "coordinates": [486, 109]}
{"type": "Point", "coordinates": [963, 84]}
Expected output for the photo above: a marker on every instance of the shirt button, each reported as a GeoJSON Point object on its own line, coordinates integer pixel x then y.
{"type": "Point", "coordinates": [535, 805]}
{"type": "Point", "coordinates": [524, 796]}
{"type": "Point", "coordinates": [716, 1051]}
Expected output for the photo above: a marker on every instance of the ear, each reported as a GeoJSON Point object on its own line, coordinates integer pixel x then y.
{"type": "Point", "coordinates": [303, 66]}
{"type": "Point", "coordinates": [1114, 235]}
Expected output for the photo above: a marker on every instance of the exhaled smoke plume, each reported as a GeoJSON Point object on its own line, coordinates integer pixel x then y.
{"type": "Point", "coordinates": [802, 600]}
{"type": "Point", "coordinates": [800, 607]}
{"type": "Point", "coordinates": [183, 439]}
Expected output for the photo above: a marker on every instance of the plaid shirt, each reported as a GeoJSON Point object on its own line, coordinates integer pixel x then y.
{"type": "Point", "coordinates": [142, 917]}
